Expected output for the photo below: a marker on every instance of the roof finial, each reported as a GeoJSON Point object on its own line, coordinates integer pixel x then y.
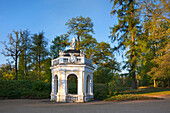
{"type": "Point", "coordinates": [73, 43]}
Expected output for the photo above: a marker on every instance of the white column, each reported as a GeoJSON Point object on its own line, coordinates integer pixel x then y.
{"type": "Point", "coordinates": [63, 87]}
{"type": "Point", "coordinates": [52, 84]}
{"type": "Point", "coordinates": [80, 83]}
{"type": "Point", "coordinates": [80, 87]}
{"type": "Point", "coordinates": [64, 83]}
{"type": "Point", "coordinates": [58, 92]}
{"type": "Point", "coordinates": [52, 88]}
{"type": "Point", "coordinates": [85, 78]}
{"type": "Point", "coordinates": [89, 85]}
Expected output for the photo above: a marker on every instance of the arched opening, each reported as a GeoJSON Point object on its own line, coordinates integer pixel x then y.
{"type": "Point", "coordinates": [72, 84]}
{"type": "Point", "coordinates": [88, 85]}
{"type": "Point", "coordinates": [55, 84]}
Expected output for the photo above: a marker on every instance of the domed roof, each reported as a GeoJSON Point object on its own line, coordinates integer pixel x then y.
{"type": "Point", "coordinates": [72, 51]}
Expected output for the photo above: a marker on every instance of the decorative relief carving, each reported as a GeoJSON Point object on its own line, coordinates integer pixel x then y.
{"type": "Point", "coordinates": [73, 58]}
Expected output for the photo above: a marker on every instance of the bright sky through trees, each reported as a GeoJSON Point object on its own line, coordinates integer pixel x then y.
{"type": "Point", "coordinates": [50, 16]}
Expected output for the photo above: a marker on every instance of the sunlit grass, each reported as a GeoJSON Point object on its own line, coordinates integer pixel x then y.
{"type": "Point", "coordinates": [126, 97]}
{"type": "Point", "coordinates": [158, 93]}
{"type": "Point", "coordinates": [147, 91]}
{"type": "Point", "coordinates": [142, 93]}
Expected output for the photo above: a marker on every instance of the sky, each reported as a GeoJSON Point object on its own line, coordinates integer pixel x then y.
{"type": "Point", "coordinates": [50, 17]}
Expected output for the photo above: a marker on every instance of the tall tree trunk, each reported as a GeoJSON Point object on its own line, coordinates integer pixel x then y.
{"type": "Point", "coordinates": [163, 83]}
{"type": "Point", "coordinates": [134, 81]}
{"type": "Point", "coordinates": [154, 81]}
{"type": "Point", "coordinates": [134, 84]}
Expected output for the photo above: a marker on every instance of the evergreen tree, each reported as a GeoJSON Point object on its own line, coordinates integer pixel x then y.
{"type": "Point", "coordinates": [126, 32]}
{"type": "Point", "coordinates": [39, 52]}
{"type": "Point", "coordinates": [81, 27]}
{"type": "Point", "coordinates": [88, 44]}
{"type": "Point", "coordinates": [24, 58]}
{"type": "Point", "coordinates": [21, 66]}
{"type": "Point", "coordinates": [154, 39]}
{"type": "Point", "coordinates": [59, 43]}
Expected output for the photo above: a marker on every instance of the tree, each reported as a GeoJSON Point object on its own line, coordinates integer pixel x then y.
{"type": "Point", "coordinates": [59, 43]}
{"type": "Point", "coordinates": [38, 52]}
{"type": "Point", "coordinates": [158, 9]}
{"type": "Point", "coordinates": [155, 36]}
{"type": "Point", "coordinates": [88, 44]}
{"type": "Point", "coordinates": [126, 32]}
{"type": "Point", "coordinates": [7, 71]}
{"type": "Point", "coordinates": [81, 27]}
{"type": "Point", "coordinates": [104, 73]}
{"type": "Point", "coordinates": [14, 48]}
{"type": "Point", "coordinates": [102, 53]}
{"type": "Point", "coordinates": [24, 58]}
{"type": "Point", "coordinates": [21, 66]}
{"type": "Point", "coordinates": [159, 36]}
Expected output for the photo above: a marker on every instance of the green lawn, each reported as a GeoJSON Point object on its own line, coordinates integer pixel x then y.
{"type": "Point", "coordinates": [142, 93]}
{"type": "Point", "coordinates": [147, 91]}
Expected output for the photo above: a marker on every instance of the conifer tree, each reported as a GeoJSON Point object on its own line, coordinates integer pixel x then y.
{"type": "Point", "coordinates": [59, 43]}
{"type": "Point", "coordinates": [81, 27]}
{"type": "Point", "coordinates": [125, 33]}
{"type": "Point", "coordinates": [24, 58]}
{"type": "Point", "coordinates": [39, 52]}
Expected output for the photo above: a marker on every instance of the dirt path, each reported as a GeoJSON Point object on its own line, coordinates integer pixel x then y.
{"type": "Point", "coordinates": [45, 106]}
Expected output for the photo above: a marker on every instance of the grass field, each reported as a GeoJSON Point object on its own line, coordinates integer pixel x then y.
{"type": "Point", "coordinates": [142, 93]}
{"type": "Point", "coordinates": [147, 91]}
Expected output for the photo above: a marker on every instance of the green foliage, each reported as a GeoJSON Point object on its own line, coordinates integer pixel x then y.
{"type": "Point", "coordinates": [102, 75]}
{"type": "Point", "coordinates": [126, 32]}
{"type": "Point", "coordinates": [24, 57]}
{"type": "Point", "coordinates": [14, 47]}
{"type": "Point", "coordinates": [21, 67]}
{"type": "Point", "coordinates": [39, 53]}
{"type": "Point", "coordinates": [59, 43]}
{"type": "Point", "coordinates": [81, 27]}
{"type": "Point", "coordinates": [24, 89]}
{"type": "Point", "coordinates": [6, 72]}
{"type": "Point", "coordinates": [114, 84]}
{"type": "Point", "coordinates": [143, 90]}
{"type": "Point", "coordinates": [72, 85]}
{"type": "Point", "coordinates": [100, 91]}
{"type": "Point", "coordinates": [126, 97]}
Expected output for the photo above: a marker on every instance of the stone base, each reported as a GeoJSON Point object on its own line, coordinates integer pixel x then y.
{"type": "Point", "coordinates": [71, 98]}
{"type": "Point", "coordinates": [53, 97]}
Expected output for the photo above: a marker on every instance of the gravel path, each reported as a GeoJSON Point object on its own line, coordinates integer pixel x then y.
{"type": "Point", "coordinates": [45, 106]}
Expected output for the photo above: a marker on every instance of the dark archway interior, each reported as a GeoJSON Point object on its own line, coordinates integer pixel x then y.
{"type": "Point", "coordinates": [56, 84]}
{"type": "Point", "coordinates": [72, 84]}
{"type": "Point", "coordinates": [87, 84]}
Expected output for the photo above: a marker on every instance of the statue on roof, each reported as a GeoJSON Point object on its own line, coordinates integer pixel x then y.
{"type": "Point", "coordinates": [73, 43]}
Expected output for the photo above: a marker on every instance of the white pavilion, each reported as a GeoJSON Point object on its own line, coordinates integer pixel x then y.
{"type": "Point", "coordinates": [70, 63]}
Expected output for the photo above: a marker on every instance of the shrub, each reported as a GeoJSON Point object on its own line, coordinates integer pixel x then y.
{"type": "Point", "coordinates": [126, 97]}
{"type": "Point", "coordinates": [24, 89]}
{"type": "Point", "coordinates": [100, 91]}
{"type": "Point", "coordinates": [40, 86]}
